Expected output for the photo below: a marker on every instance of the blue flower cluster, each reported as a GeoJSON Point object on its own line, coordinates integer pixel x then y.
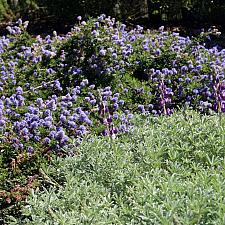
{"type": "Point", "coordinates": [55, 89]}
{"type": "Point", "coordinates": [56, 121]}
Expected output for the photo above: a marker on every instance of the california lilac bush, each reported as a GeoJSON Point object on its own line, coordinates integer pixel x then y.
{"type": "Point", "coordinates": [56, 89]}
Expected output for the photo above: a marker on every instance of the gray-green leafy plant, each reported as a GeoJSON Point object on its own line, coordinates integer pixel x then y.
{"type": "Point", "coordinates": [168, 170]}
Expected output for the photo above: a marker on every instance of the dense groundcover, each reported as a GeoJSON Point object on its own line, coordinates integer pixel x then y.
{"type": "Point", "coordinates": [167, 170]}
{"type": "Point", "coordinates": [57, 90]}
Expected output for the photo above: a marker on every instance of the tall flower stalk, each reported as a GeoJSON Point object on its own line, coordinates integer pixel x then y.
{"type": "Point", "coordinates": [165, 97]}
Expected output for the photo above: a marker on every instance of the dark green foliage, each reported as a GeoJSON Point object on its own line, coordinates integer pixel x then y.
{"type": "Point", "coordinates": [57, 12]}
{"type": "Point", "coordinates": [4, 9]}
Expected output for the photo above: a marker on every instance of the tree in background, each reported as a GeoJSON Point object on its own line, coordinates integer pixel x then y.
{"type": "Point", "coordinates": [188, 12]}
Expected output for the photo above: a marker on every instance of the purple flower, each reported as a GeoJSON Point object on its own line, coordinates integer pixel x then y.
{"type": "Point", "coordinates": [102, 52]}
{"type": "Point", "coordinates": [93, 102]}
{"type": "Point", "coordinates": [87, 99]}
{"type": "Point", "coordinates": [188, 80]}
{"type": "Point", "coordinates": [114, 131]}
{"type": "Point", "coordinates": [141, 108]}
{"type": "Point", "coordinates": [130, 116]}
{"type": "Point", "coordinates": [121, 102]}
{"type": "Point", "coordinates": [64, 140]}
{"type": "Point", "coordinates": [85, 81]}
{"type": "Point", "coordinates": [115, 116]}
{"type": "Point", "coordinates": [47, 113]}
{"type": "Point", "coordinates": [81, 130]}
{"type": "Point", "coordinates": [158, 52]}
{"type": "Point", "coordinates": [72, 124]}
{"type": "Point", "coordinates": [50, 71]}
{"type": "Point", "coordinates": [109, 119]}
{"type": "Point", "coordinates": [30, 149]}
{"type": "Point", "coordinates": [123, 128]}
{"type": "Point", "coordinates": [47, 124]}
{"type": "Point", "coordinates": [60, 134]}
{"type": "Point", "coordinates": [114, 99]}
{"type": "Point", "coordinates": [19, 90]}
{"type": "Point", "coordinates": [195, 91]}
{"type": "Point", "coordinates": [199, 67]}
{"type": "Point", "coordinates": [51, 105]}
{"type": "Point", "coordinates": [52, 134]}
{"type": "Point", "coordinates": [105, 132]}
{"type": "Point", "coordinates": [209, 94]}
{"type": "Point", "coordinates": [57, 85]}
{"type": "Point", "coordinates": [92, 86]}
{"type": "Point", "coordinates": [34, 125]}
{"type": "Point", "coordinates": [24, 131]}
{"type": "Point", "coordinates": [2, 122]}
{"type": "Point", "coordinates": [150, 106]}
{"type": "Point", "coordinates": [114, 56]}
{"type": "Point", "coordinates": [62, 118]}
{"type": "Point", "coordinates": [46, 141]}
{"type": "Point", "coordinates": [115, 106]}
{"type": "Point", "coordinates": [184, 69]}
{"type": "Point", "coordinates": [20, 145]}
{"type": "Point", "coordinates": [79, 110]}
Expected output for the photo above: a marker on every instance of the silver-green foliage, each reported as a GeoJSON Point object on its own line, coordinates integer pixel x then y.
{"type": "Point", "coordinates": [169, 170]}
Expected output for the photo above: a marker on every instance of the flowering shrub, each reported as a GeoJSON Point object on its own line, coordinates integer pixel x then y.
{"type": "Point", "coordinates": [56, 89]}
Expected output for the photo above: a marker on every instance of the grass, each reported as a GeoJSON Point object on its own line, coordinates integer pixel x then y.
{"type": "Point", "coordinates": [168, 170]}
